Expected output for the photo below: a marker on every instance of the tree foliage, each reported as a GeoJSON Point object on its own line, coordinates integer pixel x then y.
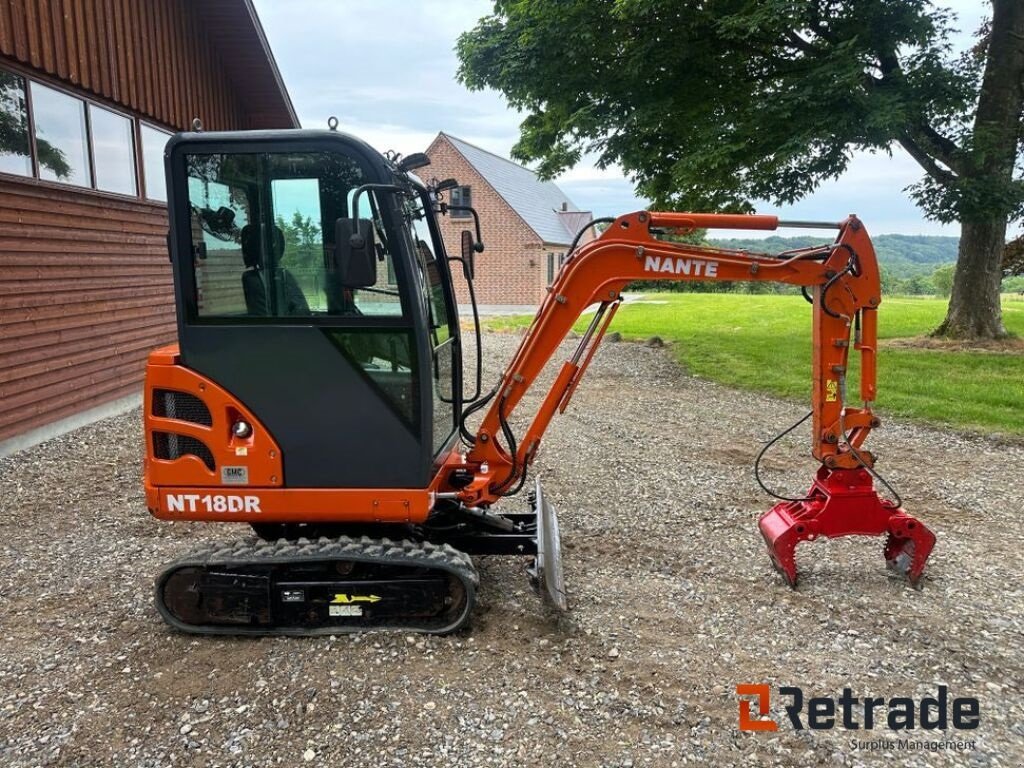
{"type": "Point", "coordinates": [942, 279]}
{"type": "Point", "coordinates": [715, 103]}
{"type": "Point", "coordinates": [1013, 257]}
{"type": "Point", "coordinates": [303, 241]}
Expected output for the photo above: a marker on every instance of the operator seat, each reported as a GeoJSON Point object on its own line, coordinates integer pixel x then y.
{"type": "Point", "coordinates": [291, 300]}
{"type": "Point", "coordinates": [252, 281]}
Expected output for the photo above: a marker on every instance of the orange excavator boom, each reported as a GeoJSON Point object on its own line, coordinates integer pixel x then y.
{"type": "Point", "coordinates": [841, 281]}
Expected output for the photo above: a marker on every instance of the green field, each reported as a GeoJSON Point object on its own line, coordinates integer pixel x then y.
{"type": "Point", "coordinates": [763, 343]}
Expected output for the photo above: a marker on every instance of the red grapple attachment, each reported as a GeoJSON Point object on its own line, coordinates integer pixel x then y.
{"type": "Point", "coordinates": [844, 502]}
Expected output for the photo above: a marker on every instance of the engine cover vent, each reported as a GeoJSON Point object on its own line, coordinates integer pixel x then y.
{"type": "Point", "coordinates": [168, 446]}
{"type": "Point", "coordinates": [170, 404]}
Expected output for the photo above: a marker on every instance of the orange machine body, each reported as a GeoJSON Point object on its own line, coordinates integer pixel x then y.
{"type": "Point", "coordinates": [187, 488]}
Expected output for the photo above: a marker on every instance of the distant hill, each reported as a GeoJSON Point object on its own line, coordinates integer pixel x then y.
{"type": "Point", "coordinates": [904, 256]}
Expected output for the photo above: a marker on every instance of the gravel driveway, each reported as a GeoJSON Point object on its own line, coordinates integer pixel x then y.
{"type": "Point", "coordinates": [672, 596]}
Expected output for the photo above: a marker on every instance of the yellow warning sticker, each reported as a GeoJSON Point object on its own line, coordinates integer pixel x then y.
{"type": "Point", "coordinates": [343, 599]}
{"type": "Point", "coordinates": [831, 390]}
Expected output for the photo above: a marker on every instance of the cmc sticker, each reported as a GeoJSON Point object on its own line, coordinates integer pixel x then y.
{"type": "Point", "coordinates": [234, 475]}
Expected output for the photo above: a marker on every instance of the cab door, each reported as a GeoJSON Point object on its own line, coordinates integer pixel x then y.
{"type": "Point", "coordinates": [339, 376]}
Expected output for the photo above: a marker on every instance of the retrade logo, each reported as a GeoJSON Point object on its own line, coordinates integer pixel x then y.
{"type": "Point", "coordinates": [747, 723]}
{"type": "Point", "coordinates": [849, 712]}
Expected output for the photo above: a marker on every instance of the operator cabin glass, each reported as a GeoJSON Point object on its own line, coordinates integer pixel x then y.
{"type": "Point", "coordinates": [263, 237]}
{"type": "Point", "coordinates": [430, 289]}
{"type": "Point", "coordinates": [60, 136]}
{"type": "Point", "coordinates": [15, 156]}
{"type": "Point", "coordinates": [263, 230]}
{"type": "Point", "coordinates": [113, 148]}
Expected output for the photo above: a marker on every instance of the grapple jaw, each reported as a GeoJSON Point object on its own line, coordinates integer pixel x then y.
{"type": "Point", "coordinates": [908, 545]}
{"type": "Point", "coordinates": [844, 502]}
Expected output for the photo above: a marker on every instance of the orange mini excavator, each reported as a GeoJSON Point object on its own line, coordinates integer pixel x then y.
{"type": "Point", "coordinates": [317, 390]}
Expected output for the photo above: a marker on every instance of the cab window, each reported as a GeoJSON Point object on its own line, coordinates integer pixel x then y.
{"type": "Point", "coordinates": [263, 237]}
{"type": "Point", "coordinates": [429, 280]}
{"type": "Point", "coordinates": [430, 291]}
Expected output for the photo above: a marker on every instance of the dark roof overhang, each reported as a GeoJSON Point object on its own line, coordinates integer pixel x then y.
{"type": "Point", "coordinates": [235, 31]}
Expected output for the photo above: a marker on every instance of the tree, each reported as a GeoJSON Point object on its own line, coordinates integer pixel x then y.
{"type": "Point", "coordinates": [942, 279]}
{"type": "Point", "coordinates": [303, 243]}
{"type": "Point", "coordinates": [918, 286]}
{"type": "Point", "coordinates": [890, 282]}
{"type": "Point", "coordinates": [715, 103]}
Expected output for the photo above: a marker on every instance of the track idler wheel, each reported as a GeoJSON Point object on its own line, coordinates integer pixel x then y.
{"type": "Point", "coordinates": [844, 502]}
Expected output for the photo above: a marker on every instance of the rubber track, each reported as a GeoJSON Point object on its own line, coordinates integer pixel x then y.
{"type": "Point", "coordinates": [442, 557]}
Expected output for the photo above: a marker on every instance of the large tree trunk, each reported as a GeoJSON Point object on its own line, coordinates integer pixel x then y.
{"type": "Point", "coordinates": [974, 308]}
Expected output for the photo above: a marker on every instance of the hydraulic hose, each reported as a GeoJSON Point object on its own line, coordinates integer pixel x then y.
{"type": "Point", "coordinates": [588, 225]}
{"type": "Point", "coordinates": [769, 444]}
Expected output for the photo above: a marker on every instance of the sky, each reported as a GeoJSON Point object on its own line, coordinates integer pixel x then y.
{"type": "Point", "coordinates": [386, 69]}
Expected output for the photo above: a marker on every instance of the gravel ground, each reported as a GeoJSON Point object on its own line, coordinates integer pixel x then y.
{"type": "Point", "coordinates": [673, 603]}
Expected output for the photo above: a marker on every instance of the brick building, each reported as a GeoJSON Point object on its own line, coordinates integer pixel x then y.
{"type": "Point", "coordinates": [90, 91]}
{"type": "Point", "coordinates": [527, 224]}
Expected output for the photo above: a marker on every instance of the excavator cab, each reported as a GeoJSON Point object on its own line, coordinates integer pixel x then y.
{"type": "Point", "coordinates": [313, 286]}
{"type": "Point", "coordinates": [314, 392]}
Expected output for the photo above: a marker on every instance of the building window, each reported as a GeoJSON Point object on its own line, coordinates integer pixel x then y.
{"type": "Point", "coordinates": [77, 141]}
{"type": "Point", "coordinates": [461, 196]}
{"type": "Point", "coordinates": [15, 150]}
{"type": "Point", "coordinates": [153, 143]}
{"type": "Point", "coordinates": [113, 151]}
{"type": "Point", "coordinates": [61, 142]}
{"type": "Point", "coordinates": [553, 270]}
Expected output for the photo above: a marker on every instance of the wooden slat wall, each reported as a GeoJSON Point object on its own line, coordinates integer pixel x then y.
{"type": "Point", "coordinates": [85, 284]}
{"type": "Point", "coordinates": [153, 57]}
{"type": "Point", "coordinates": [85, 292]}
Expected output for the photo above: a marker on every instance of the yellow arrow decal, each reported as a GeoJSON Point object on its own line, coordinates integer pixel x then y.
{"type": "Point", "coordinates": [349, 599]}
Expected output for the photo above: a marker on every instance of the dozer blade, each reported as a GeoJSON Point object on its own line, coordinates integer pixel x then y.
{"type": "Point", "coordinates": [324, 587]}
{"type": "Point", "coordinates": [547, 568]}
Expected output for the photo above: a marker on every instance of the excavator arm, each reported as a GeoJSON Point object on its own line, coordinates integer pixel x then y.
{"type": "Point", "coordinates": [841, 280]}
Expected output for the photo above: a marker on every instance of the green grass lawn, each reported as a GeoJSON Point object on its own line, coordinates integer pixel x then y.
{"type": "Point", "coordinates": [763, 343]}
